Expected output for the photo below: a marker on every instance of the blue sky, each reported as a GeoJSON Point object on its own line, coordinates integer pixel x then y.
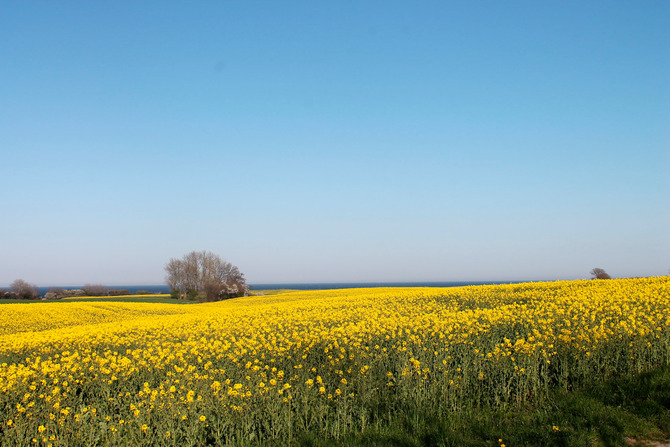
{"type": "Point", "coordinates": [334, 141]}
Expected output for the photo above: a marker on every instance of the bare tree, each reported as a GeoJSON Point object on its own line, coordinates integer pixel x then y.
{"type": "Point", "coordinates": [25, 291]}
{"type": "Point", "coordinates": [204, 272]}
{"type": "Point", "coordinates": [175, 275]}
{"type": "Point", "coordinates": [599, 273]}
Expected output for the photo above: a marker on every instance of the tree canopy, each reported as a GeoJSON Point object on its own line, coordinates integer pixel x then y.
{"type": "Point", "coordinates": [24, 290]}
{"type": "Point", "coordinates": [599, 273]}
{"type": "Point", "coordinates": [204, 274]}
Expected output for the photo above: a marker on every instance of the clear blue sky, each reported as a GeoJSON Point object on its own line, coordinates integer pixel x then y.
{"type": "Point", "coordinates": [334, 141]}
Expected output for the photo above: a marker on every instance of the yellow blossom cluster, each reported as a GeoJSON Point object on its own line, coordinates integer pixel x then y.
{"type": "Point", "coordinates": [254, 368]}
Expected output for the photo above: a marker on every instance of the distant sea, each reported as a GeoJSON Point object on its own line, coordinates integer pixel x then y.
{"type": "Point", "coordinates": [162, 288]}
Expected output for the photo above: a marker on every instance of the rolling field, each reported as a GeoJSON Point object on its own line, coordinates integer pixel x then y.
{"type": "Point", "coordinates": [269, 369]}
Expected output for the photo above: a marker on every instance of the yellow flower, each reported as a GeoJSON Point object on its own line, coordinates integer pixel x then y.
{"type": "Point", "coordinates": [453, 337]}
{"type": "Point", "coordinates": [203, 418]}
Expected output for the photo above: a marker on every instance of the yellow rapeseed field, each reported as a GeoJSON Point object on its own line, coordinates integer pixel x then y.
{"type": "Point", "coordinates": [332, 362]}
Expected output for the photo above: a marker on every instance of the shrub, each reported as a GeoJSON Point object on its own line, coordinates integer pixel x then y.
{"type": "Point", "coordinates": [118, 292]}
{"type": "Point", "coordinates": [7, 295]}
{"type": "Point", "coordinates": [73, 293]}
{"type": "Point", "coordinates": [215, 291]}
{"type": "Point", "coordinates": [54, 293]}
{"type": "Point", "coordinates": [95, 290]}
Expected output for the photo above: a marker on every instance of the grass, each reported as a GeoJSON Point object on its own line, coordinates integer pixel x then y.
{"type": "Point", "coordinates": [8, 301]}
{"type": "Point", "coordinates": [599, 414]}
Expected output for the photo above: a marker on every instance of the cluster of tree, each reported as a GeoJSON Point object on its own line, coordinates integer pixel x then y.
{"type": "Point", "coordinates": [598, 273]}
{"type": "Point", "coordinates": [206, 276]}
{"type": "Point", "coordinates": [100, 290]}
{"type": "Point", "coordinates": [21, 290]}
{"type": "Point", "coordinates": [95, 290]}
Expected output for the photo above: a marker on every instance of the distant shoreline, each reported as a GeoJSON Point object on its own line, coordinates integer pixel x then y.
{"type": "Point", "coordinates": [163, 288]}
{"type": "Point", "coordinates": [355, 285]}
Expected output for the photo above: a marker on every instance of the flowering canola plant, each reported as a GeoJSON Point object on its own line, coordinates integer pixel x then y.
{"type": "Point", "coordinates": [257, 368]}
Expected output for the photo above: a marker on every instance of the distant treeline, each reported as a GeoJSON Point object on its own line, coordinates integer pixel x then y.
{"type": "Point", "coordinates": [22, 290]}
